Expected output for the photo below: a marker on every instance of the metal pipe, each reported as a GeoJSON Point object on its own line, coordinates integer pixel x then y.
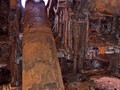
{"type": "Point", "coordinates": [41, 70]}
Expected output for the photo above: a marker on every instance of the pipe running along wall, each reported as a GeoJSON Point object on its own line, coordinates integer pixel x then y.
{"type": "Point", "coordinates": [41, 70]}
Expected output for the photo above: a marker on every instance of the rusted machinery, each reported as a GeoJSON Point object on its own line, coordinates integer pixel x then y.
{"type": "Point", "coordinates": [41, 69]}
{"type": "Point", "coordinates": [78, 22]}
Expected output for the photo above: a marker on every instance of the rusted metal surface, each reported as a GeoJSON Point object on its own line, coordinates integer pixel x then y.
{"type": "Point", "coordinates": [77, 86]}
{"type": "Point", "coordinates": [107, 83]}
{"type": "Point", "coordinates": [8, 28]}
{"type": "Point", "coordinates": [41, 70]}
{"type": "Point", "coordinates": [13, 3]}
{"type": "Point", "coordinates": [105, 6]}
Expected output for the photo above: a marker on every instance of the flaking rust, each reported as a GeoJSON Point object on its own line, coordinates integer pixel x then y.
{"type": "Point", "coordinates": [41, 70]}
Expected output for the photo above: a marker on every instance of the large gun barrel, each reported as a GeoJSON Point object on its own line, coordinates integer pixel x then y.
{"type": "Point", "coordinates": [41, 70]}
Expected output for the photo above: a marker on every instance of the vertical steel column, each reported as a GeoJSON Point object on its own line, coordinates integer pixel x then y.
{"type": "Point", "coordinates": [41, 70]}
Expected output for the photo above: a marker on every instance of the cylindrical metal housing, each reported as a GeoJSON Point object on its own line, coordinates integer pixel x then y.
{"type": "Point", "coordinates": [41, 70]}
